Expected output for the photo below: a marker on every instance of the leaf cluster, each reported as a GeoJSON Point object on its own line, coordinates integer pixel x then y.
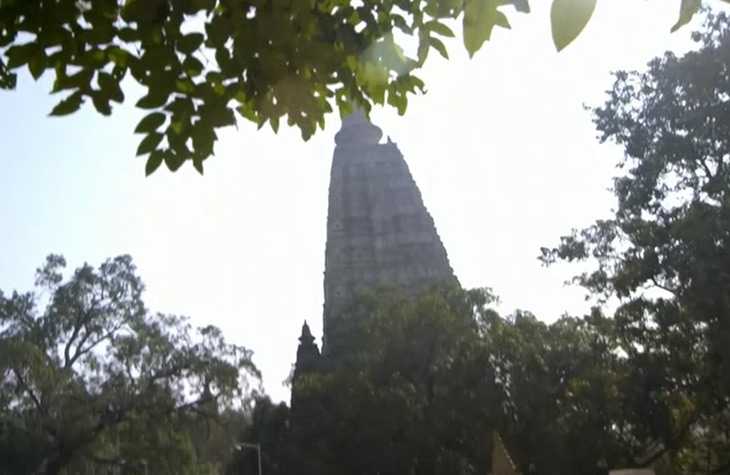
{"type": "Point", "coordinates": [203, 64]}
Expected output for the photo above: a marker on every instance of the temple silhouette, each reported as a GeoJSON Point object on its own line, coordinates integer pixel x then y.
{"type": "Point", "coordinates": [378, 230]}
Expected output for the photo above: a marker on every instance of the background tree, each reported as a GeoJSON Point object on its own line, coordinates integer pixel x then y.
{"type": "Point", "coordinates": [419, 386]}
{"type": "Point", "coordinates": [89, 376]}
{"type": "Point", "coordinates": [266, 426]}
{"type": "Point", "coordinates": [664, 256]}
{"type": "Point", "coordinates": [202, 63]}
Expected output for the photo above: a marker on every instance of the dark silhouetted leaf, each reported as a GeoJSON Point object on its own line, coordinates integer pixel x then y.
{"type": "Point", "coordinates": [190, 43]}
{"type": "Point", "coordinates": [69, 105]}
{"type": "Point", "coordinates": [110, 86]}
{"type": "Point", "coordinates": [118, 56]}
{"type": "Point", "coordinates": [37, 64]}
{"type": "Point", "coordinates": [153, 162]}
{"type": "Point", "coordinates": [149, 143]}
{"type": "Point", "coordinates": [198, 165]}
{"type": "Point", "coordinates": [101, 103]}
{"type": "Point", "coordinates": [20, 55]}
{"type": "Point", "coordinates": [155, 98]}
{"type": "Point", "coordinates": [150, 123]}
{"type": "Point", "coordinates": [173, 161]}
{"type": "Point", "coordinates": [128, 35]}
{"type": "Point", "coordinates": [192, 66]}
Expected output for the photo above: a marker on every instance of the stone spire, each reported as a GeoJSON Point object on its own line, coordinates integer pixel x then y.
{"type": "Point", "coordinates": [378, 229]}
{"type": "Point", "coordinates": [308, 356]}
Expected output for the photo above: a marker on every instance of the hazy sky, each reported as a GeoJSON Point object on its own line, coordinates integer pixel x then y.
{"type": "Point", "coordinates": [501, 148]}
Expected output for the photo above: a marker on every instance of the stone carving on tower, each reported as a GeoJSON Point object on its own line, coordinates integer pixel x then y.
{"type": "Point", "coordinates": [378, 229]}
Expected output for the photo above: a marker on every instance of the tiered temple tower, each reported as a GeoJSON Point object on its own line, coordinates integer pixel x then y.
{"type": "Point", "coordinates": [378, 229]}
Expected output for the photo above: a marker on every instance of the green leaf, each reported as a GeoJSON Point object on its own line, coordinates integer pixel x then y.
{"type": "Point", "coordinates": [101, 103]}
{"type": "Point", "coordinates": [399, 101]}
{"type": "Point", "coordinates": [568, 18]}
{"type": "Point", "coordinates": [501, 20]}
{"type": "Point", "coordinates": [79, 80]}
{"type": "Point", "coordinates": [173, 161]}
{"type": "Point", "coordinates": [440, 29]}
{"type": "Point", "coordinates": [249, 112]}
{"type": "Point", "coordinates": [101, 33]}
{"type": "Point", "coordinates": [155, 98]}
{"type": "Point", "coordinates": [190, 43]}
{"type": "Point", "coordinates": [37, 64]}
{"type": "Point", "coordinates": [198, 165]}
{"type": "Point", "coordinates": [118, 56]}
{"type": "Point", "coordinates": [20, 55]}
{"type": "Point", "coordinates": [185, 86]}
{"type": "Point", "coordinates": [68, 106]}
{"type": "Point", "coordinates": [156, 58]}
{"type": "Point", "coordinates": [150, 123]}
{"type": "Point", "coordinates": [203, 4]}
{"type": "Point", "coordinates": [480, 17]}
{"type": "Point", "coordinates": [438, 45]}
{"type": "Point", "coordinates": [110, 86]}
{"type": "Point", "coordinates": [128, 35]}
{"type": "Point", "coordinates": [95, 58]}
{"type": "Point", "coordinates": [153, 162]}
{"type": "Point", "coordinates": [192, 66]}
{"type": "Point", "coordinates": [149, 143]}
{"type": "Point", "coordinates": [687, 9]}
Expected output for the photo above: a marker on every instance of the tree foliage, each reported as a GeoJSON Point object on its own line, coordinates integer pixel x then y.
{"type": "Point", "coordinates": [205, 63]}
{"type": "Point", "coordinates": [424, 384]}
{"type": "Point", "coordinates": [665, 254]}
{"type": "Point", "coordinates": [89, 376]}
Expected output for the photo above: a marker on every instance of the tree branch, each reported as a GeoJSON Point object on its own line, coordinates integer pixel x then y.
{"type": "Point", "coordinates": [29, 392]}
{"type": "Point", "coordinates": [80, 351]}
{"type": "Point", "coordinates": [80, 322]}
{"type": "Point", "coordinates": [663, 287]}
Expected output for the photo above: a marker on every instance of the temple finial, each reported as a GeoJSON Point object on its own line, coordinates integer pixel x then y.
{"type": "Point", "coordinates": [306, 336]}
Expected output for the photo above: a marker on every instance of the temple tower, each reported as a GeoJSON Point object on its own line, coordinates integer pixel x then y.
{"type": "Point", "coordinates": [378, 229]}
{"type": "Point", "coordinates": [308, 356]}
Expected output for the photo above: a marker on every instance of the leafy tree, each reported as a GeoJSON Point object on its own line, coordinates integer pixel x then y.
{"type": "Point", "coordinates": [89, 376]}
{"type": "Point", "coordinates": [391, 400]}
{"type": "Point", "coordinates": [419, 387]}
{"type": "Point", "coordinates": [665, 255]}
{"type": "Point", "coordinates": [203, 62]}
{"type": "Point", "coordinates": [267, 426]}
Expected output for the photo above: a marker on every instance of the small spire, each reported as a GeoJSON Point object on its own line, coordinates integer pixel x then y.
{"type": "Point", "coordinates": [306, 336]}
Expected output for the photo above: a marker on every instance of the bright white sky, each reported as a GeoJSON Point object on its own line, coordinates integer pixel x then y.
{"type": "Point", "coordinates": [501, 148]}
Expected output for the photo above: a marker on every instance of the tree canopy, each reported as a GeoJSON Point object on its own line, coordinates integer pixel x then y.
{"type": "Point", "coordinates": [205, 63]}
{"type": "Point", "coordinates": [664, 255]}
{"type": "Point", "coordinates": [425, 383]}
{"type": "Point", "coordinates": [89, 377]}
